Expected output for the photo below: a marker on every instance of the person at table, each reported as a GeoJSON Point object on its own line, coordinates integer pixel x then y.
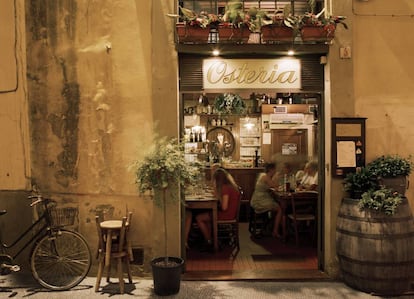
{"type": "Point", "coordinates": [228, 196]}
{"type": "Point", "coordinates": [286, 174]}
{"type": "Point", "coordinates": [309, 180]}
{"type": "Point", "coordinates": [190, 214]}
{"type": "Point", "coordinates": [262, 200]}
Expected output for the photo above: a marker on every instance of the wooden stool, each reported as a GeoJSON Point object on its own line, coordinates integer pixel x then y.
{"type": "Point", "coordinates": [113, 244]}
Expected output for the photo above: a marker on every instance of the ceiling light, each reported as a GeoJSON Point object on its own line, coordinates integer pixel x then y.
{"type": "Point", "coordinates": [216, 52]}
{"type": "Point", "coordinates": [291, 52]}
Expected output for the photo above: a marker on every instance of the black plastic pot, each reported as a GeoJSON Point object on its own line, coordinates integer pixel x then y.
{"type": "Point", "coordinates": [167, 278]}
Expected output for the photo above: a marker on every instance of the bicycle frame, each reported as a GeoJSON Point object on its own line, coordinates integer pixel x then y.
{"type": "Point", "coordinates": [38, 233]}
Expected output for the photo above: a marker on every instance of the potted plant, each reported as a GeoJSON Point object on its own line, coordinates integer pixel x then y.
{"type": "Point", "coordinates": [235, 24]}
{"type": "Point", "coordinates": [319, 27]}
{"type": "Point", "coordinates": [280, 27]}
{"type": "Point", "coordinates": [392, 171]}
{"type": "Point", "coordinates": [229, 103]}
{"type": "Point", "coordinates": [381, 219]}
{"type": "Point", "coordinates": [356, 183]}
{"type": "Point", "coordinates": [162, 172]}
{"type": "Point", "coordinates": [193, 27]}
{"type": "Point", "coordinates": [382, 200]}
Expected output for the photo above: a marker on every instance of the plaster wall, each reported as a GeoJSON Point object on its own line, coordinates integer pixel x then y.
{"type": "Point", "coordinates": [375, 83]}
{"type": "Point", "coordinates": [90, 77]}
{"type": "Point", "coordinates": [102, 74]}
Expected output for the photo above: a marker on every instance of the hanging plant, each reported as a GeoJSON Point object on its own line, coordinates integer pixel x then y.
{"type": "Point", "coordinates": [229, 103]}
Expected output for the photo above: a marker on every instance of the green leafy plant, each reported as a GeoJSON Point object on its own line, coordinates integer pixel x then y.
{"type": "Point", "coordinates": [382, 200]}
{"type": "Point", "coordinates": [359, 182]}
{"type": "Point", "coordinates": [311, 19]}
{"type": "Point", "coordinates": [164, 167]}
{"type": "Point", "coordinates": [229, 103]}
{"type": "Point", "coordinates": [234, 15]}
{"type": "Point", "coordinates": [390, 166]}
{"type": "Point", "coordinates": [202, 19]}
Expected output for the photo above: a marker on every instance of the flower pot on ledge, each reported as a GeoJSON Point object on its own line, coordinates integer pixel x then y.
{"type": "Point", "coordinates": [192, 34]}
{"type": "Point", "coordinates": [229, 34]}
{"type": "Point", "coordinates": [274, 34]}
{"type": "Point", "coordinates": [318, 33]}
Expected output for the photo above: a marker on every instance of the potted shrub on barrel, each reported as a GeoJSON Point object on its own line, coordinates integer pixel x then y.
{"type": "Point", "coordinates": [162, 172]}
{"type": "Point", "coordinates": [392, 171]}
{"type": "Point", "coordinates": [375, 232]}
{"type": "Point", "coordinates": [356, 183]}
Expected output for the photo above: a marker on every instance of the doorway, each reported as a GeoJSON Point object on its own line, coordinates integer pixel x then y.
{"type": "Point", "coordinates": [284, 260]}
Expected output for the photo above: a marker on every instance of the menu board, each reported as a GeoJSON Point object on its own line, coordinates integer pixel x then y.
{"type": "Point", "coordinates": [348, 145]}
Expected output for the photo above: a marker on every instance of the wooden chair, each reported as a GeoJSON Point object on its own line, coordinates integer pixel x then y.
{"type": "Point", "coordinates": [303, 215]}
{"type": "Point", "coordinates": [260, 224]}
{"type": "Point", "coordinates": [113, 245]}
{"type": "Point", "coordinates": [228, 230]}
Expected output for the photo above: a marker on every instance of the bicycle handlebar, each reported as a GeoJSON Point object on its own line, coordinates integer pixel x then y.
{"type": "Point", "coordinates": [38, 200]}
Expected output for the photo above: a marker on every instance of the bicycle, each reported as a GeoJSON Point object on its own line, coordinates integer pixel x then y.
{"type": "Point", "coordinates": [60, 258]}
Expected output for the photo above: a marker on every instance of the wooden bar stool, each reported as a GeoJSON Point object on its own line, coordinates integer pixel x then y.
{"type": "Point", "coordinates": [113, 245]}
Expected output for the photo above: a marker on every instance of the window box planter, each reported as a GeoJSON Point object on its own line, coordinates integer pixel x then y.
{"type": "Point", "coordinates": [275, 33]}
{"type": "Point", "coordinates": [318, 33]}
{"type": "Point", "coordinates": [192, 34]}
{"type": "Point", "coordinates": [230, 34]}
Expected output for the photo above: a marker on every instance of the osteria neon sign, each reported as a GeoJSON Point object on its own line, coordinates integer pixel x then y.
{"type": "Point", "coordinates": [281, 73]}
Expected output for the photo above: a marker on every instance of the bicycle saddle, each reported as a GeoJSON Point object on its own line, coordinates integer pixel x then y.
{"type": "Point", "coordinates": [2, 212]}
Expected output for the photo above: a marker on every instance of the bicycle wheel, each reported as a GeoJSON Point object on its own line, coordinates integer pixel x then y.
{"type": "Point", "coordinates": [61, 260]}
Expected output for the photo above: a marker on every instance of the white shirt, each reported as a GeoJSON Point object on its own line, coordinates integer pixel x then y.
{"type": "Point", "coordinates": [309, 180]}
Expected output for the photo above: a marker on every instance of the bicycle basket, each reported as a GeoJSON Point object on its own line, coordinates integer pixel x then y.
{"type": "Point", "coordinates": [63, 216]}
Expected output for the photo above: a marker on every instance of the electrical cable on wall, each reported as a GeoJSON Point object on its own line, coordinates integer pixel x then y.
{"type": "Point", "coordinates": [15, 54]}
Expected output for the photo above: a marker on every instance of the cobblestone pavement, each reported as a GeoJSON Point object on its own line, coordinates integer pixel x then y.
{"type": "Point", "coordinates": [23, 286]}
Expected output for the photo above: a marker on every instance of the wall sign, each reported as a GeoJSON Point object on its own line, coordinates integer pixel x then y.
{"type": "Point", "coordinates": [281, 73]}
{"type": "Point", "coordinates": [348, 145]}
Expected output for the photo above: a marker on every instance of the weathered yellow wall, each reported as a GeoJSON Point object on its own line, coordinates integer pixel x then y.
{"type": "Point", "coordinates": [375, 83]}
{"type": "Point", "coordinates": [97, 84]}
{"type": "Point", "coordinates": [14, 141]}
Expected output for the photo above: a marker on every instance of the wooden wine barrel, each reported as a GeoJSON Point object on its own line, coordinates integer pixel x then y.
{"type": "Point", "coordinates": [375, 251]}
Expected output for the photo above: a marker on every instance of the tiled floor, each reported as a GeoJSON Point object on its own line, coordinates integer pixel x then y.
{"type": "Point", "coordinates": [266, 257]}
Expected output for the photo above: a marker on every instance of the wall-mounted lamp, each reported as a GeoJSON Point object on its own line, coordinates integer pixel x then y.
{"type": "Point", "coordinates": [291, 52]}
{"type": "Point", "coordinates": [216, 52]}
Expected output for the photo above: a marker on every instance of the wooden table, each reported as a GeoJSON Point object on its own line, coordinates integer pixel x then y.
{"type": "Point", "coordinates": [205, 202]}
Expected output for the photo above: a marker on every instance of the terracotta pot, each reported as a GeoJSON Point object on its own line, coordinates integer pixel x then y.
{"type": "Point", "coordinates": [318, 33]}
{"type": "Point", "coordinates": [192, 34]}
{"type": "Point", "coordinates": [274, 34]}
{"type": "Point", "coordinates": [233, 35]}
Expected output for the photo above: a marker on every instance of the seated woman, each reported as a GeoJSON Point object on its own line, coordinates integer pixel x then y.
{"type": "Point", "coordinates": [227, 193]}
{"type": "Point", "coordinates": [191, 214]}
{"type": "Point", "coordinates": [309, 180]}
{"type": "Point", "coordinates": [262, 201]}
